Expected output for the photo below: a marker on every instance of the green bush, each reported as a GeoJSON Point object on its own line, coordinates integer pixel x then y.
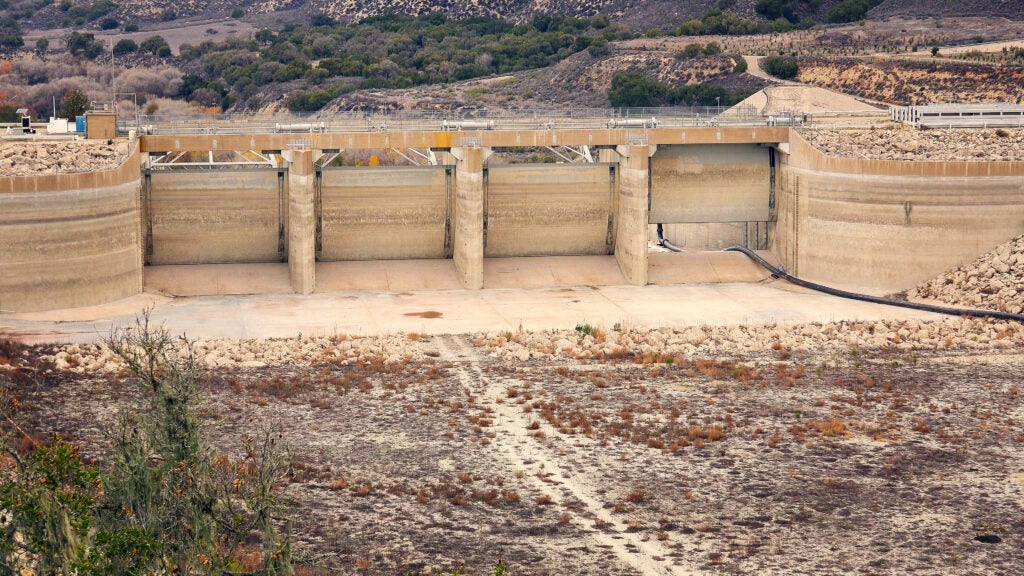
{"type": "Point", "coordinates": [851, 10]}
{"type": "Point", "coordinates": [741, 66]}
{"type": "Point", "coordinates": [780, 67]}
{"type": "Point", "coordinates": [634, 90]}
{"type": "Point", "coordinates": [125, 46]}
{"type": "Point", "coordinates": [165, 503]}
{"type": "Point", "coordinates": [152, 44]}
{"type": "Point", "coordinates": [773, 9]}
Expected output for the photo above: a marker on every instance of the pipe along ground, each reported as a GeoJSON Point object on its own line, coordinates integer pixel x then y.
{"type": "Point", "coordinates": [779, 272]}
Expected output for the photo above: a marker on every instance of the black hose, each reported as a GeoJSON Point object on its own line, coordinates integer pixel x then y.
{"type": "Point", "coordinates": [777, 271]}
{"type": "Point", "coordinates": [662, 241]}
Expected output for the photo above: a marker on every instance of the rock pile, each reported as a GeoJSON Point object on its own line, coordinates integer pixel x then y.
{"type": "Point", "coordinates": [255, 353]}
{"type": "Point", "coordinates": [922, 145]}
{"type": "Point", "coordinates": [952, 333]}
{"type": "Point", "coordinates": [20, 158]}
{"type": "Point", "coordinates": [995, 281]}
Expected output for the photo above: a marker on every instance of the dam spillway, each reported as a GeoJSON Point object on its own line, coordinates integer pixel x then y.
{"type": "Point", "coordinates": [89, 238]}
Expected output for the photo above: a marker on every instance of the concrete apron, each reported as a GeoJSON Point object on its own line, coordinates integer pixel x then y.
{"type": "Point", "coordinates": [453, 311]}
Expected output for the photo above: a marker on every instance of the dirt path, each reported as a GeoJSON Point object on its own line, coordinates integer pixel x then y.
{"type": "Point", "coordinates": [552, 473]}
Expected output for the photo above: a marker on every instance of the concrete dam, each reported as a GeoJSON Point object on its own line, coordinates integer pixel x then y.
{"type": "Point", "coordinates": [89, 238]}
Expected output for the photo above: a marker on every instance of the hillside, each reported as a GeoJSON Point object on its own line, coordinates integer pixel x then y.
{"type": "Point", "coordinates": [638, 15]}
{"type": "Point", "coordinates": [580, 81]}
{"type": "Point", "coordinates": [1012, 9]}
{"type": "Point", "coordinates": [916, 82]}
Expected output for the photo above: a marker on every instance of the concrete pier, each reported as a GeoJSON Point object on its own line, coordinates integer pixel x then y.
{"type": "Point", "coordinates": [631, 211]}
{"type": "Point", "coordinates": [301, 221]}
{"type": "Point", "coordinates": [468, 224]}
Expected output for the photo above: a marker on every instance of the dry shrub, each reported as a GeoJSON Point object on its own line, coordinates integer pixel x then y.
{"type": "Point", "coordinates": [709, 433]}
{"type": "Point", "coordinates": [834, 427]}
{"type": "Point", "coordinates": [544, 500]}
{"type": "Point", "coordinates": [636, 496]}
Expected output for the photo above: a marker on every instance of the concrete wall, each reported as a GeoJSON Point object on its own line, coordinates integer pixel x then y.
{"type": "Point", "coordinates": [890, 224]}
{"type": "Point", "coordinates": [70, 240]}
{"type": "Point", "coordinates": [710, 183]}
{"type": "Point", "coordinates": [699, 237]}
{"type": "Point", "coordinates": [548, 209]}
{"type": "Point", "coordinates": [383, 213]}
{"type": "Point", "coordinates": [216, 216]}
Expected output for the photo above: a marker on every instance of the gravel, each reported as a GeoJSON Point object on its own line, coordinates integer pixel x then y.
{"type": "Point", "coordinates": [21, 158]}
{"type": "Point", "coordinates": [995, 281]}
{"type": "Point", "coordinates": [923, 145]}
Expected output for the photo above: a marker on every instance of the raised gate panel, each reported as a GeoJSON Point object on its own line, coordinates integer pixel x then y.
{"type": "Point", "coordinates": [554, 209]}
{"type": "Point", "coordinates": [384, 213]}
{"type": "Point", "coordinates": [710, 183]}
{"type": "Point", "coordinates": [215, 216]}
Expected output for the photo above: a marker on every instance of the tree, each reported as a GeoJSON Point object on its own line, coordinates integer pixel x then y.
{"type": "Point", "coordinates": [152, 44]}
{"type": "Point", "coordinates": [125, 46]}
{"type": "Point", "coordinates": [772, 9]}
{"type": "Point", "coordinates": [634, 90]}
{"type": "Point", "coordinates": [42, 45]}
{"type": "Point", "coordinates": [850, 10]}
{"type": "Point", "coordinates": [77, 42]}
{"type": "Point", "coordinates": [93, 50]}
{"type": "Point", "coordinates": [75, 104]}
{"type": "Point", "coordinates": [10, 33]}
{"type": "Point", "coordinates": [9, 114]}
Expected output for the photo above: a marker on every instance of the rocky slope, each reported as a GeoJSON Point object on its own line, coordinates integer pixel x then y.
{"type": "Point", "coordinates": [995, 281]}
{"type": "Point", "coordinates": [920, 145]}
{"type": "Point", "coordinates": [19, 158]}
{"type": "Point", "coordinates": [1013, 9]}
{"type": "Point", "coordinates": [913, 82]}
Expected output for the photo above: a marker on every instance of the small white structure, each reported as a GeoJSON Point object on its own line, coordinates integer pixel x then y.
{"type": "Point", "coordinates": [993, 115]}
{"type": "Point", "coordinates": [57, 126]}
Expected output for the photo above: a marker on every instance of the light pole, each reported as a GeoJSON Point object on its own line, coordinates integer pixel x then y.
{"type": "Point", "coordinates": [718, 103]}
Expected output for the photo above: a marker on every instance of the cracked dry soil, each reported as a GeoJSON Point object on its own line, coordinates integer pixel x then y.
{"type": "Point", "coordinates": [862, 462]}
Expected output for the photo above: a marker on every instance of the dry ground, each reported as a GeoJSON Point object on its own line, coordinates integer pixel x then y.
{"type": "Point", "coordinates": [850, 461]}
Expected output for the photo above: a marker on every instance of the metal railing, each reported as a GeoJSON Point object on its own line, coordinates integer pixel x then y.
{"type": "Point", "coordinates": [461, 120]}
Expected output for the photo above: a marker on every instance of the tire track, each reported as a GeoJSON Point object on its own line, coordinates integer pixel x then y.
{"type": "Point", "coordinates": [546, 469]}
